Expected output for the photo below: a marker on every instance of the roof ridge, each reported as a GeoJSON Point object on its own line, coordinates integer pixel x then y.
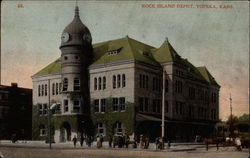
{"type": "Point", "coordinates": [130, 46]}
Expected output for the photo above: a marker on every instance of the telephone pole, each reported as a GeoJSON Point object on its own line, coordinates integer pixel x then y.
{"type": "Point", "coordinates": [231, 115]}
{"type": "Point", "coordinates": [163, 105]}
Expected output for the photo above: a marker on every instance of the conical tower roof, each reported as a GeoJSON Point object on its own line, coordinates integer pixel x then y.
{"type": "Point", "coordinates": [76, 32]}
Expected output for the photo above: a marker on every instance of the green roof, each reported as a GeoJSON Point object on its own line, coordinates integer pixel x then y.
{"type": "Point", "coordinates": [53, 67]}
{"type": "Point", "coordinates": [206, 74]}
{"type": "Point", "coordinates": [165, 53]}
{"type": "Point", "coordinates": [129, 49]}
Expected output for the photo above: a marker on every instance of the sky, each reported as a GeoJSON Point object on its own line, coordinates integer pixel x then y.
{"type": "Point", "coordinates": [217, 38]}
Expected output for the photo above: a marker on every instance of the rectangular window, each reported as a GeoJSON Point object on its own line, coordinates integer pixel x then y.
{"type": "Point", "coordinates": [141, 104]}
{"type": "Point", "coordinates": [45, 91]}
{"type": "Point", "coordinates": [104, 83]}
{"type": "Point", "coordinates": [143, 81]}
{"type": "Point", "coordinates": [140, 81]}
{"type": "Point", "coordinates": [178, 86]}
{"type": "Point", "coordinates": [103, 105]}
{"type": "Point", "coordinates": [76, 106]}
{"type": "Point", "coordinates": [166, 85]}
{"type": "Point", "coordinates": [177, 107]}
{"type": "Point", "coordinates": [123, 80]}
{"type": "Point", "coordinates": [101, 128]}
{"type": "Point", "coordinates": [118, 81]}
{"type": "Point", "coordinates": [40, 109]}
{"type": "Point", "coordinates": [45, 108]}
{"type": "Point", "coordinates": [53, 89]}
{"type": "Point", "coordinates": [39, 90]}
{"type": "Point", "coordinates": [153, 83]}
{"type": "Point", "coordinates": [181, 108]}
{"type": "Point", "coordinates": [76, 84]}
{"type": "Point", "coordinates": [146, 82]}
{"type": "Point", "coordinates": [115, 104]}
{"type": "Point", "coordinates": [96, 104]}
{"type": "Point", "coordinates": [99, 83]}
{"type": "Point", "coordinates": [65, 84]}
{"type": "Point", "coordinates": [95, 83]}
{"type": "Point", "coordinates": [154, 105]}
{"type": "Point", "coordinates": [119, 127]}
{"type": "Point", "coordinates": [146, 105]}
{"type": "Point", "coordinates": [122, 103]}
{"type": "Point", "coordinates": [60, 88]}
{"type": "Point", "coordinates": [42, 90]}
{"type": "Point", "coordinates": [166, 106]}
{"type": "Point", "coordinates": [57, 89]}
{"type": "Point", "coordinates": [191, 93]}
{"type": "Point", "coordinates": [114, 82]}
{"type": "Point", "coordinates": [158, 110]}
{"type": "Point", "coordinates": [66, 105]}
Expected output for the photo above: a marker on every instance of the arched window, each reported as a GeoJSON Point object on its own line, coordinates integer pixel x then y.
{"type": "Point", "coordinates": [42, 90]}
{"type": "Point", "coordinates": [57, 88]}
{"type": "Point", "coordinates": [39, 90]}
{"type": "Point", "coordinates": [123, 80]}
{"type": "Point", "coordinates": [99, 83]}
{"type": "Point", "coordinates": [95, 83]}
{"type": "Point", "coordinates": [114, 81]}
{"type": "Point", "coordinates": [104, 82]}
{"type": "Point", "coordinates": [143, 81]}
{"type": "Point", "coordinates": [76, 84]}
{"type": "Point", "coordinates": [53, 88]}
{"type": "Point", "coordinates": [118, 81]}
{"type": "Point", "coordinates": [46, 89]}
{"type": "Point", "coordinates": [65, 84]}
{"type": "Point", "coordinates": [42, 130]}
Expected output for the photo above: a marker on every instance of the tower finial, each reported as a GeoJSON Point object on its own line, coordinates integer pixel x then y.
{"type": "Point", "coordinates": [76, 10]}
{"type": "Point", "coordinates": [166, 39]}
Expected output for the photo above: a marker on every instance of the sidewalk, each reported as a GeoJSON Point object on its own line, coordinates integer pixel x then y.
{"type": "Point", "coordinates": [69, 145]}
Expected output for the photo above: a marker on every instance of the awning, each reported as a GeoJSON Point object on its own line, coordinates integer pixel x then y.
{"type": "Point", "coordinates": [142, 117]}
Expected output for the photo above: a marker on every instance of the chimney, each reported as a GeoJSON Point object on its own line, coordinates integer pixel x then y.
{"type": "Point", "coordinates": [13, 84]}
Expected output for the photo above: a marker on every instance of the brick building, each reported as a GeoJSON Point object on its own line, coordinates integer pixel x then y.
{"type": "Point", "coordinates": [15, 112]}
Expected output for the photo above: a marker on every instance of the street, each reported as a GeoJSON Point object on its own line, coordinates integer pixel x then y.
{"type": "Point", "coordinates": [24, 151]}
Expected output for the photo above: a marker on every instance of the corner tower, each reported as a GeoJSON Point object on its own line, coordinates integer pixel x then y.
{"type": "Point", "coordinates": [76, 55]}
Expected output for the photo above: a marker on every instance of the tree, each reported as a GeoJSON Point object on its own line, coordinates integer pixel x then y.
{"type": "Point", "coordinates": [244, 118]}
{"type": "Point", "coordinates": [231, 121]}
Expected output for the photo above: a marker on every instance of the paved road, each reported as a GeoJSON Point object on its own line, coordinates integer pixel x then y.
{"type": "Point", "coordinates": [19, 152]}
{"type": "Point", "coordinates": [66, 150]}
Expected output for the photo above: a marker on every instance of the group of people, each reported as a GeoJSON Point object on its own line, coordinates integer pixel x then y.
{"type": "Point", "coordinates": [120, 141]}
{"type": "Point", "coordinates": [87, 139]}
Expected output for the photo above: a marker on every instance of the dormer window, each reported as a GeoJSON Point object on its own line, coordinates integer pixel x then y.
{"type": "Point", "coordinates": [114, 52]}
{"type": "Point", "coordinates": [145, 54]}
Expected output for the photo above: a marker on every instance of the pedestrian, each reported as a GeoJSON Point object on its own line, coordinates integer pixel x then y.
{"type": "Point", "coordinates": [146, 143]}
{"type": "Point", "coordinates": [156, 143]}
{"type": "Point", "coordinates": [135, 143]}
{"type": "Point", "coordinates": [238, 144]}
{"type": "Point", "coordinates": [127, 139]}
{"type": "Point", "coordinates": [110, 139]}
{"type": "Point", "coordinates": [74, 141]}
{"type": "Point", "coordinates": [88, 141]}
{"type": "Point", "coordinates": [169, 144]}
{"type": "Point", "coordinates": [101, 140]}
{"type": "Point", "coordinates": [142, 141]}
{"type": "Point", "coordinates": [82, 140]}
{"type": "Point", "coordinates": [114, 141]}
{"type": "Point", "coordinates": [98, 142]}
